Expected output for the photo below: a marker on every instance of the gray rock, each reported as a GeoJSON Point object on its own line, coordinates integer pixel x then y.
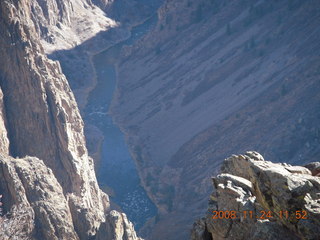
{"type": "Point", "coordinates": [314, 167]}
{"type": "Point", "coordinates": [34, 201]}
{"type": "Point", "coordinates": [271, 201]}
{"type": "Point", "coordinates": [116, 227]}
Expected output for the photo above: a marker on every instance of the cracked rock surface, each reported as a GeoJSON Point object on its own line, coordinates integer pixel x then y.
{"type": "Point", "coordinates": [270, 201]}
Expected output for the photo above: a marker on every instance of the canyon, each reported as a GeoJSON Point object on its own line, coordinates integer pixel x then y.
{"type": "Point", "coordinates": [149, 97]}
{"type": "Point", "coordinates": [213, 79]}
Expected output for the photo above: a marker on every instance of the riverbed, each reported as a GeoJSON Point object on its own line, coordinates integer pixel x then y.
{"type": "Point", "coordinates": [117, 169]}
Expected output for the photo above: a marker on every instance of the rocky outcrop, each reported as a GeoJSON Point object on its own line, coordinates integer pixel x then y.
{"type": "Point", "coordinates": [28, 184]}
{"type": "Point", "coordinates": [37, 208]}
{"type": "Point", "coordinates": [314, 167]}
{"type": "Point", "coordinates": [268, 200]}
{"type": "Point", "coordinates": [58, 195]}
{"type": "Point", "coordinates": [117, 227]}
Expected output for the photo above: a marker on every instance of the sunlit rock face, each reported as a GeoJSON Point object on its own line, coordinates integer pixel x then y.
{"type": "Point", "coordinates": [43, 211]}
{"type": "Point", "coordinates": [216, 78]}
{"type": "Point", "coordinates": [64, 26]}
{"type": "Point", "coordinates": [54, 192]}
{"type": "Point", "coordinates": [117, 227]}
{"type": "Point", "coordinates": [258, 199]}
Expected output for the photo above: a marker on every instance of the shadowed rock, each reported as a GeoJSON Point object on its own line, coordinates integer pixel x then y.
{"type": "Point", "coordinates": [314, 167]}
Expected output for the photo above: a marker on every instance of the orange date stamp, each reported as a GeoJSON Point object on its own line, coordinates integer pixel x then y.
{"type": "Point", "coordinates": [299, 214]}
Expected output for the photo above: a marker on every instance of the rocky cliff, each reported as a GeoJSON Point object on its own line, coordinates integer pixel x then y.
{"type": "Point", "coordinates": [53, 194]}
{"type": "Point", "coordinates": [65, 25]}
{"type": "Point", "coordinates": [258, 199]}
{"type": "Point", "coordinates": [214, 78]}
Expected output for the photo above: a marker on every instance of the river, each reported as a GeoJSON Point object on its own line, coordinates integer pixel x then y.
{"type": "Point", "coordinates": [117, 169]}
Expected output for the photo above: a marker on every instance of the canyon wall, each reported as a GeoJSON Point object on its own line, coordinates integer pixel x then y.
{"type": "Point", "coordinates": [71, 31]}
{"type": "Point", "coordinates": [54, 193]}
{"type": "Point", "coordinates": [216, 78]}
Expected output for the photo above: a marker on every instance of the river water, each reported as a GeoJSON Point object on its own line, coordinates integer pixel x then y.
{"type": "Point", "coordinates": [117, 169]}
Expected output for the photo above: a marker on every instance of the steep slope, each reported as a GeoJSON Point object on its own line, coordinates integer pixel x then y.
{"type": "Point", "coordinates": [29, 185]}
{"type": "Point", "coordinates": [40, 118]}
{"type": "Point", "coordinates": [267, 200]}
{"type": "Point", "coordinates": [64, 25]}
{"type": "Point", "coordinates": [215, 78]}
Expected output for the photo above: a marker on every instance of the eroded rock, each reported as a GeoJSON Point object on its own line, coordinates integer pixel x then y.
{"type": "Point", "coordinates": [29, 186]}
{"type": "Point", "coordinates": [314, 167]}
{"type": "Point", "coordinates": [269, 200]}
{"type": "Point", "coordinates": [117, 227]}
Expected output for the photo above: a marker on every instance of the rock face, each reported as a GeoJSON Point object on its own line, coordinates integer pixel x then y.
{"type": "Point", "coordinates": [41, 115]}
{"type": "Point", "coordinates": [58, 196]}
{"type": "Point", "coordinates": [117, 227]}
{"type": "Point", "coordinates": [269, 200]}
{"type": "Point", "coordinates": [214, 78]}
{"type": "Point", "coordinates": [30, 185]}
{"type": "Point", "coordinates": [65, 24]}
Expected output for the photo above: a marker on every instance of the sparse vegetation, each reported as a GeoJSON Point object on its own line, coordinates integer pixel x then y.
{"type": "Point", "coordinates": [138, 153]}
{"type": "Point", "coordinates": [284, 90]}
{"type": "Point", "coordinates": [228, 29]}
{"type": "Point", "coordinates": [267, 41]}
{"type": "Point", "coordinates": [279, 19]}
{"type": "Point", "coordinates": [158, 50]}
{"type": "Point", "coordinates": [261, 53]}
{"type": "Point", "coordinates": [168, 192]}
{"type": "Point", "coordinates": [294, 4]}
{"type": "Point", "coordinates": [168, 19]}
{"type": "Point", "coordinates": [149, 179]}
{"type": "Point", "coordinates": [252, 43]}
{"type": "Point", "coordinates": [215, 6]}
{"type": "Point", "coordinates": [198, 14]}
{"type": "Point", "coordinates": [257, 11]}
{"type": "Point", "coordinates": [157, 218]}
